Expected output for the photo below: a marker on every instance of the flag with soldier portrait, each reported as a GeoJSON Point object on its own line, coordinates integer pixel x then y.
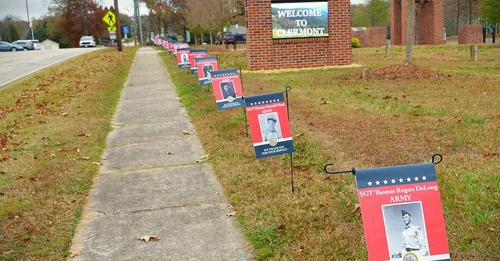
{"type": "Point", "coordinates": [205, 66]}
{"type": "Point", "coordinates": [269, 125]}
{"type": "Point", "coordinates": [228, 92]}
{"type": "Point", "coordinates": [402, 213]}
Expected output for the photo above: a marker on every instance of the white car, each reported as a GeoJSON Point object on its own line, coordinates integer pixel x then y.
{"type": "Point", "coordinates": [87, 41]}
{"type": "Point", "coordinates": [36, 44]}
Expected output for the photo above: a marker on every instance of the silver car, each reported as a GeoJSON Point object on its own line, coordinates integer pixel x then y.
{"type": "Point", "coordinates": [7, 47]}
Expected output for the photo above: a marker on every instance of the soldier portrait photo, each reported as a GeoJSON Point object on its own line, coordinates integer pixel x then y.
{"type": "Point", "coordinates": [270, 127]}
{"type": "Point", "coordinates": [227, 89]}
{"type": "Point", "coordinates": [405, 229]}
{"type": "Point", "coordinates": [184, 58]}
{"type": "Point", "coordinates": [207, 70]}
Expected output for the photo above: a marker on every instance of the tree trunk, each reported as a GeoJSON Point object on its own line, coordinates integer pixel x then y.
{"type": "Point", "coordinates": [470, 11]}
{"type": "Point", "coordinates": [458, 14]}
{"type": "Point", "coordinates": [410, 31]}
{"type": "Point", "coordinates": [211, 41]}
{"type": "Point", "coordinates": [202, 39]}
{"type": "Point", "coordinates": [195, 39]}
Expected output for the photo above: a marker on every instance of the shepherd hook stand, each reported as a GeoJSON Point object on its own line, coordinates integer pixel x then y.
{"type": "Point", "coordinates": [436, 159]}
{"type": "Point", "coordinates": [288, 88]}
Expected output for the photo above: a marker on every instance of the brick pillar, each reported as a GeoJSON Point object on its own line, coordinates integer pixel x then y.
{"type": "Point", "coordinates": [265, 53]}
{"type": "Point", "coordinates": [430, 17]}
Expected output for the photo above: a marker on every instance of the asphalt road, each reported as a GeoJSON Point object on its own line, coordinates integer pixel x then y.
{"type": "Point", "coordinates": [14, 66]}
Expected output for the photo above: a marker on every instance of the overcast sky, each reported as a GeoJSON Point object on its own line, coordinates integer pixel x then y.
{"type": "Point", "coordinates": [39, 8]}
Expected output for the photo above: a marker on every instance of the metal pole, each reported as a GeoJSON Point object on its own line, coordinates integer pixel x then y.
{"type": "Point", "coordinates": [29, 24]}
{"type": "Point", "coordinates": [140, 22]}
{"type": "Point", "coordinates": [118, 28]}
{"type": "Point", "coordinates": [136, 22]}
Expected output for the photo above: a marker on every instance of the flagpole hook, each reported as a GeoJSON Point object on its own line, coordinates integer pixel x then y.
{"type": "Point", "coordinates": [288, 88]}
{"type": "Point", "coordinates": [325, 169]}
{"type": "Point", "coordinates": [437, 158]}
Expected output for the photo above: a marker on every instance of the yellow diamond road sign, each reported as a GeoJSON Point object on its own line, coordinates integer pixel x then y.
{"type": "Point", "coordinates": [109, 18]}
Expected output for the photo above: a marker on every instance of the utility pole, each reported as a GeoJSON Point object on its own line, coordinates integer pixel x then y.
{"type": "Point", "coordinates": [29, 23]}
{"type": "Point", "coordinates": [118, 28]}
{"type": "Point", "coordinates": [138, 22]}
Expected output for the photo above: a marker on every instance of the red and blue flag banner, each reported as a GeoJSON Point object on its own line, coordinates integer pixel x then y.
{"type": "Point", "coordinates": [402, 213]}
{"type": "Point", "coordinates": [269, 125]}
{"type": "Point", "coordinates": [183, 57]}
{"type": "Point", "coordinates": [178, 46]}
{"type": "Point", "coordinates": [193, 55]}
{"type": "Point", "coordinates": [227, 88]}
{"type": "Point", "coordinates": [205, 66]}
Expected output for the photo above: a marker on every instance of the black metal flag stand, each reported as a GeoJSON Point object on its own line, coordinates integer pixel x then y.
{"type": "Point", "coordinates": [436, 159]}
{"type": "Point", "coordinates": [244, 107]}
{"type": "Point", "coordinates": [287, 90]}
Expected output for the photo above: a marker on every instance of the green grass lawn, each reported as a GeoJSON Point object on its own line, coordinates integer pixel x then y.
{"type": "Point", "coordinates": [53, 128]}
{"type": "Point", "coordinates": [336, 116]}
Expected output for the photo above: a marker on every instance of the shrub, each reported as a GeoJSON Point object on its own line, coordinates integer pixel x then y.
{"type": "Point", "coordinates": [355, 42]}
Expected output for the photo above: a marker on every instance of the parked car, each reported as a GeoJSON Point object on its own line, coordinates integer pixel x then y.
{"type": "Point", "coordinates": [87, 41]}
{"type": "Point", "coordinates": [229, 38]}
{"type": "Point", "coordinates": [26, 44]}
{"type": "Point", "coordinates": [36, 44]}
{"type": "Point", "coordinates": [7, 47]}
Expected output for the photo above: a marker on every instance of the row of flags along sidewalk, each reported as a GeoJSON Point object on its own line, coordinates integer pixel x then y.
{"type": "Point", "coordinates": [400, 205]}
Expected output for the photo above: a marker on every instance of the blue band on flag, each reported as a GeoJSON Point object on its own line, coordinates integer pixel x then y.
{"type": "Point", "coordinates": [206, 59]}
{"type": "Point", "coordinates": [198, 51]}
{"type": "Point", "coordinates": [224, 73]}
{"type": "Point", "coordinates": [266, 150]}
{"type": "Point", "coordinates": [395, 175]}
{"type": "Point", "coordinates": [264, 98]}
{"type": "Point", "coordinates": [225, 105]}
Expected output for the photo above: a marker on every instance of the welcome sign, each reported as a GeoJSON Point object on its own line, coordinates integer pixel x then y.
{"type": "Point", "coordinates": [299, 19]}
{"type": "Point", "coordinates": [402, 213]}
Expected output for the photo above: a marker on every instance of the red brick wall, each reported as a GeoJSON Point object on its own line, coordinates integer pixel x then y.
{"type": "Point", "coordinates": [264, 53]}
{"type": "Point", "coordinates": [372, 36]}
{"type": "Point", "coordinates": [429, 17]}
{"type": "Point", "coordinates": [470, 34]}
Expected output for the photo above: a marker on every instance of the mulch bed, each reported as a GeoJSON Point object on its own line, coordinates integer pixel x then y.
{"type": "Point", "coordinates": [405, 72]}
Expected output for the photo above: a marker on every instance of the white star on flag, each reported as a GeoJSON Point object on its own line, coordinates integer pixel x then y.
{"type": "Point", "coordinates": [393, 181]}
{"type": "Point", "coordinates": [424, 178]}
{"type": "Point", "coordinates": [400, 180]}
{"type": "Point", "coordinates": [377, 182]}
{"type": "Point", "coordinates": [369, 183]}
{"type": "Point", "coordinates": [408, 179]}
{"type": "Point", "coordinates": [416, 178]}
{"type": "Point", "coordinates": [385, 181]}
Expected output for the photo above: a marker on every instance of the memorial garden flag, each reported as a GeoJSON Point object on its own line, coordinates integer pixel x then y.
{"type": "Point", "coordinates": [183, 57]}
{"type": "Point", "coordinates": [193, 55]}
{"type": "Point", "coordinates": [269, 125]}
{"type": "Point", "coordinates": [228, 92]}
{"type": "Point", "coordinates": [402, 213]}
{"type": "Point", "coordinates": [205, 66]}
{"type": "Point", "coordinates": [180, 45]}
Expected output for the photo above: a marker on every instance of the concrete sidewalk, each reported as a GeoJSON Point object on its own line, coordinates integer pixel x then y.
{"type": "Point", "coordinates": [151, 184]}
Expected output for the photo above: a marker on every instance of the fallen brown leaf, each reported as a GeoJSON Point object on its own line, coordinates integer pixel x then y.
{"type": "Point", "coordinates": [149, 238]}
{"type": "Point", "coordinates": [202, 159]}
{"type": "Point", "coordinates": [75, 253]}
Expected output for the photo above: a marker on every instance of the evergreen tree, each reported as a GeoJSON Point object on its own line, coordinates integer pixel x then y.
{"type": "Point", "coordinates": [40, 31]}
{"type": "Point", "coordinates": [13, 35]}
{"type": "Point", "coordinates": [490, 9]}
